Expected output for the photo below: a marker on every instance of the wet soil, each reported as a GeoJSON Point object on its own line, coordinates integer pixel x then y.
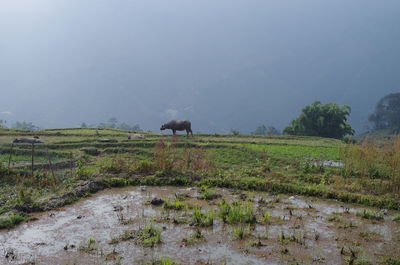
{"type": "Point", "coordinates": [302, 230]}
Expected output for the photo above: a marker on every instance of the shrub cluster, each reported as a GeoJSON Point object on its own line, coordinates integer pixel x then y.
{"type": "Point", "coordinates": [374, 160]}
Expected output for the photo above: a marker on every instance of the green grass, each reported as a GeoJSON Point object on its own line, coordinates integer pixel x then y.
{"type": "Point", "coordinates": [237, 212]}
{"type": "Point", "coordinates": [196, 237]}
{"type": "Point", "coordinates": [241, 232]}
{"type": "Point", "coordinates": [11, 220]}
{"type": "Point", "coordinates": [266, 218]}
{"type": "Point", "coordinates": [372, 215]}
{"type": "Point", "coordinates": [89, 246]}
{"type": "Point", "coordinates": [392, 261]}
{"type": "Point", "coordinates": [396, 218]}
{"type": "Point", "coordinates": [149, 235]}
{"type": "Point", "coordinates": [163, 261]}
{"type": "Point", "coordinates": [299, 151]}
{"type": "Point", "coordinates": [279, 164]}
{"type": "Point", "coordinates": [202, 219]}
{"type": "Point", "coordinates": [126, 235]}
{"type": "Point", "coordinates": [175, 205]}
{"type": "Point", "coordinates": [209, 194]}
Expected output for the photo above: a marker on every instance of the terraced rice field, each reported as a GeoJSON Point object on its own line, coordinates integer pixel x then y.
{"type": "Point", "coordinates": [307, 208]}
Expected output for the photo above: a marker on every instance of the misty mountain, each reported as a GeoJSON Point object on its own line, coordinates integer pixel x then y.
{"type": "Point", "coordinates": [221, 64]}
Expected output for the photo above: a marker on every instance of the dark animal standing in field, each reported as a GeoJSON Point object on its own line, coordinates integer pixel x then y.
{"type": "Point", "coordinates": [178, 125]}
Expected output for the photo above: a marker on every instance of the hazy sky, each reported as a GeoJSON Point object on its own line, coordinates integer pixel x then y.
{"type": "Point", "coordinates": [220, 63]}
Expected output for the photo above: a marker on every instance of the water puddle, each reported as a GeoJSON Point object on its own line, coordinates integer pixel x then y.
{"type": "Point", "coordinates": [302, 229]}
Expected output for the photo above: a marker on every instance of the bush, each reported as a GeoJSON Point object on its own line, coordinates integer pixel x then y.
{"type": "Point", "coordinates": [82, 171]}
{"type": "Point", "coordinates": [90, 151]}
{"type": "Point", "coordinates": [324, 120]}
{"type": "Point", "coordinates": [373, 160]}
{"type": "Point", "coordinates": [145, 166]}
{"type": "Point", "coordinates": [115, 165]}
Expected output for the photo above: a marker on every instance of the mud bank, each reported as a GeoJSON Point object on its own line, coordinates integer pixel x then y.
{"type": "Point", "coordinates": [300, 229]}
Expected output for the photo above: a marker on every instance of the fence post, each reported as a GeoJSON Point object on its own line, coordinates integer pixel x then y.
{"type": "Point", "coordinates": [33, 155]}
{"type": "Point", "coordinates": [9, 159]}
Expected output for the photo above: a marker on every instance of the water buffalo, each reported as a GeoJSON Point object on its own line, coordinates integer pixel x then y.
{"type": "Point", "coordinates": [177, 125]}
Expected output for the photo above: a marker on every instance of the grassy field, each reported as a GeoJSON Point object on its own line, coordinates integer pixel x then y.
{"type": "Point", "coordinates": [86, 160]}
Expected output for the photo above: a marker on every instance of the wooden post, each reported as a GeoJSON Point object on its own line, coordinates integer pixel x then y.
{"type": "Point", "coordinates": [50, 164]}
{"type": "Point", "coordinates": [9, 159]}
{"type": "Point", "coordinates": [33, 155]}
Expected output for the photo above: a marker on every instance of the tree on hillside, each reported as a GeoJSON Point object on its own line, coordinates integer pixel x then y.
{"type": "Point", "coordinates": [27, 126]}
{"type": "Point", "coordinates": [127, 127]}
{"type": "Point", "coordinates": [324, 120]}
{"type": "Point", "coordinates": [3, 123]}
{"type": "Point", "coordinates": [264, 130]}
{"type": "Point", "coordinates": [234, 131]}
{"type": "Point", "coordinates": [387, 113]}
{"type": "Point", "coordinates": [113, 123]}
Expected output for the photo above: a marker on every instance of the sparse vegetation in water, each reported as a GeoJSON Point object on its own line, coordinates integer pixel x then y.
{"type": "Point", "coordinates": [237, 212]}
{"type": "Point", "coordinates": [149, 235]}
{"type": "Point", "coordinates": [249, 238]}
{"type": "Point", "coordinates": [163, 261]}
{"type": "Point", "coordinates": [89, 246]}
{"type": "Point", "coordinates": [266, 218]}
{"type": "Point", "coordinates": [369, 214]}
{"type": "Point", "coordinates": [202, 219]}
{"type": "Point", "coordinates": [392, 261]}
{"type": "Point", "coordinates": [209, 194]}
{"type": "Point", "coordinates": [195, 237]}
{"type": "Point", "coordinates": [113, 256]}
{"type": "Point", "coordinates": [262, 201]}
{"type": "Point", "coordinates": [294, 236]}
{"type": "Point", "coordinates": [279, 164]}
{"type": "Point", "coordinates": [297, 237]}
{"type": "Point", "coordinates": [396, 218]}
{"type": "Point", "coordinates": [126, 235]}
{"type": "Point", "coordinates": [255, 243]}
{"type": "Point", "coordinates": [368, 235]}
{"type": "Point", "coordinates": [362, 262]}
{"type": "Point", "coordinates": [176, 219]}
{"type": "Point", "coordinates": [241, 232]}
{"type": "Point", "coordinates": [346, 225]}
{"type": "Point", "coordinates": [334, 218]}
{"type": "Point", "coordinates": [281, 237]}
{"type": "Point", "coordinates": [181, 196]}
{"type": "Point", "coordinates": [285, 251]}
{"type": "Point", "coordinates": [175, 205]}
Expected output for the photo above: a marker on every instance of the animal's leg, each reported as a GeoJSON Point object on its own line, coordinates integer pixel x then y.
{"type": "Point", "coordinates": [174, 132]}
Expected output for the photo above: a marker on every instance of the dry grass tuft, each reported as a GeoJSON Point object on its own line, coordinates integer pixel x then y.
{"type": "Point", "coordinates": [374, 160]}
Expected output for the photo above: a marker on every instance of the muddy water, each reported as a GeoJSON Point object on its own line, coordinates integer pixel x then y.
{"type": "Point", "coordinates": [310, 236]}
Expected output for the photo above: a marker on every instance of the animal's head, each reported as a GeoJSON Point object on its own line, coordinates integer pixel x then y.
{"type": "Point", "coordinates": [163, 127]}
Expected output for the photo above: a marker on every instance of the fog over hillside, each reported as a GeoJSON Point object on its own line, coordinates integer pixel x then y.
{"type": "Point", "coordinates": [220, 63]}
